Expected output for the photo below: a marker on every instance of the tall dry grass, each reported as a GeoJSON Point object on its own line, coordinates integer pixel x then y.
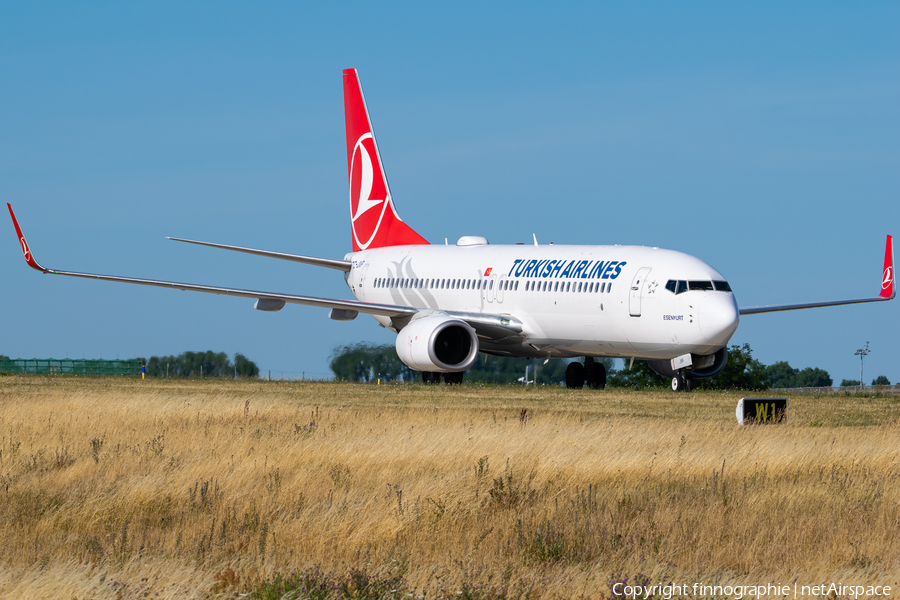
{"type": "Point", "coordinates": [113, 488]}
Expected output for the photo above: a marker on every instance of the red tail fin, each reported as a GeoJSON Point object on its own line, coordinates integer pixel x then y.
{"type": "Point", "coordinates": [374, 222]}
{"type": "Point", "coordinates": [887, 280]}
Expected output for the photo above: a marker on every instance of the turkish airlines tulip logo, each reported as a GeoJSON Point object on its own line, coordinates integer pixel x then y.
{"type": "Point", "coordinates": [888, 278]}
{"type": "Point", "coordinates": [25, 250]}
{"type": "Point", "coordinates": [367, 191]}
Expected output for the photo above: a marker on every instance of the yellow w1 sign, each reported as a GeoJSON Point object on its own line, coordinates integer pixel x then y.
{"type": "Point", "coordinates": [761, 410]}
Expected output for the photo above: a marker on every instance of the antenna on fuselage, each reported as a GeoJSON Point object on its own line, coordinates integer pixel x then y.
{"type": "Point", "coordinates": [535, 238]}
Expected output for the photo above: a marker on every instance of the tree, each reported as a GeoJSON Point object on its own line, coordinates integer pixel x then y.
{"type": "Point", "coordinates": [244, 366]}
{"type": "Point", "coordinates": [742, 372]}
{"type": "Point", "coordinates": [810, 377]}
{"type": "Point", "coordinates": [781, 375]}
{"type": "Point", "coordinates": [639, 377]}
{"type": "Point", "coordinates": [195, 364]}
{"type": "Point", "coordinates": [365, 362]}
{"type": "Point", "coordinates": [849, 382]}
{"type": "Point", "coordinates": [881, 380]}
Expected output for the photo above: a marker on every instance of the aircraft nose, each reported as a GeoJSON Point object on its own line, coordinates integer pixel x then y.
{"type": "Point", "coordinates": [718, 317]}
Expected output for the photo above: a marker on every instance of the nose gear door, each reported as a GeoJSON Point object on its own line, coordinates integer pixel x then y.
{"type": "Point", "coordinates": [637, 288]}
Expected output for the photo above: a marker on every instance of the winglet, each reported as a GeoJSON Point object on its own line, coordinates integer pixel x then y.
{"type": "Point", "coordinates": [888, 290]}
{"type": "Point", "coordinates": [29, 258]}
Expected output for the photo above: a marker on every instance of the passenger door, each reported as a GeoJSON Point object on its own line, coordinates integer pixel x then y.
{"type": "Point", "coordinates": [637, 288]}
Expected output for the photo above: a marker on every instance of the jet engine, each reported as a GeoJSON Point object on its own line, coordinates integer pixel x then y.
{"type": "Point", "coordinates": [437, 343]}
{"type": "Point", "coordinates": [704, 365]}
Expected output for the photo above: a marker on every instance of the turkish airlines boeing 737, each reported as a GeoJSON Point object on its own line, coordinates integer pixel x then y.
{"type": "Point", "coordinates": [448, 303]}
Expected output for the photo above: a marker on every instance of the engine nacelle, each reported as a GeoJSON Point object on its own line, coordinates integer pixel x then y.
{"type": "Point", "coordinates": [705, 365]}
{"type": "Point", "coordinates": [438, 344]}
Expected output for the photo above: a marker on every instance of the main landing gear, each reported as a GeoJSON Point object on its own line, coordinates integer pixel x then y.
{"type": "Point", "coordinates": [682, 382]}
{"type": "Point", "coordinates": [449, 378]}
{"type": "Point", "coordinates": [594, 374]}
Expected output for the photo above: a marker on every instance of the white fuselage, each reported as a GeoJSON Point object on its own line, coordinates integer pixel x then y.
{"type": "Point", "coordinates": [571, 300]}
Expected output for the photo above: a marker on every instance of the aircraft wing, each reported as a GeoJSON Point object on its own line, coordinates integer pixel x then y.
{"type": "Point", "coordinates": [493, 327]}
{"type": "Point", "coordinates": [274, 300]}
{"type": "Point", "coordinates": [888, 292]}
{"type": "Point", "coordinates": [331, 263]}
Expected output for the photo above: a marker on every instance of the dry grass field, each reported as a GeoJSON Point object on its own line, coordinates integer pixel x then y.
{"type": "Point", "coordinates": [113, 488]}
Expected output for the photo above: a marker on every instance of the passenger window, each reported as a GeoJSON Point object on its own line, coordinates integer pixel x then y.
{"type": "Point", "coordinates": [517, 287]}
{"type": "Point", "coordinates": [491, 286]}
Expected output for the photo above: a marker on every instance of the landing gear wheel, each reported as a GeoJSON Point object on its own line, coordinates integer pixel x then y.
{"type": "Point", "coordinates": [453, 378]}
{"type": "Point", "coordinates": [599, 376]}
{"type": "Point", "coordinates": [594, 374]}
{"type": "Point", "coordinates": [575, 376]}
{"type": "Point", "coordinates": [431, 377]}
{"type": "Point", "coordinates": [682, 382]}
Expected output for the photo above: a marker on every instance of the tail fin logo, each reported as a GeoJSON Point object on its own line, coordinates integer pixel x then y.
{"type": "Point", "coordinates": [25, 249]}
{"type": "Point", "coordinates": [367, 191]}
{"type": "Point", "coordinates": [888, 278]}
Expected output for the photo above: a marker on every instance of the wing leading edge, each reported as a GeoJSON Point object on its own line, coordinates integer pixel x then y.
{"type": "Point", "coordinates": [331, 263]}
{"type": "Point", "coordinates": [492, 327]}
{"type": "Point", "coordinates": [888, 291]}
{"type": "Point", "coordinates": [387, 310]}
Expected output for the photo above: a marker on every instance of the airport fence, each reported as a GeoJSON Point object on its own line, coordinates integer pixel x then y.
{"type": "Point", "coordinates": [841, 389]}
{"type": "Point", "coordinates": [71, 366]}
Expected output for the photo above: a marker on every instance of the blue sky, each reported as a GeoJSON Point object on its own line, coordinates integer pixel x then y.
{"type": "Point", "coordinates": [762, 138]}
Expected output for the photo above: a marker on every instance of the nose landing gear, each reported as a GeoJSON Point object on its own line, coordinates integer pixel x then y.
{"type": "Point", "coordinates": [682, 382]}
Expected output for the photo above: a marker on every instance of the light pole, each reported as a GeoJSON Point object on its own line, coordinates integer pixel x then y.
{"type": "Point", "coordinates": [861, 353]}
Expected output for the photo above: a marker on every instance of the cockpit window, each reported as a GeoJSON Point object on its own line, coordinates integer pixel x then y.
{"type": "Point", "coordinates": [681, 286]}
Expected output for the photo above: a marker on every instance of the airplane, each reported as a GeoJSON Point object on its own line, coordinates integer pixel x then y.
{"type": "Point", "coordinates": [448, 303]}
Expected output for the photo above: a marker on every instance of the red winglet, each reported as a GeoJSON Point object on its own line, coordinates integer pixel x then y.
{"type": "Point", "coordinates": [374, 222]}
{"type": "Point", "coordinates": [29, 258]}
{"type": "Point", "coordinates": [887, 279]}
